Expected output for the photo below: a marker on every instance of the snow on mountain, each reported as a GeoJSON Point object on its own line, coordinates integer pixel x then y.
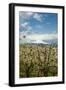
{"type": "Point", "coordinates": [39, 42]}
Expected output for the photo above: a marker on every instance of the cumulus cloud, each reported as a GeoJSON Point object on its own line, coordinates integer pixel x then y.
{"type": "Point", "coordinates": [42, 36]}
{"type": "Point", "coordinates": [27, 15]}
{"type": "Point", "coordinates": [38, 17]}
{"type": "Point", "coordinates": [25, 26]}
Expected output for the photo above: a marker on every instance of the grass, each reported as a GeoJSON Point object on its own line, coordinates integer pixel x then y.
{"type": "Point", "coordinates": [38, 61]}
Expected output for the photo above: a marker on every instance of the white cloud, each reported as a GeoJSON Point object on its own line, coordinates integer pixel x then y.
{"type": "Point", "coordinates": [42, 36]}
{"type": "Point", "coordinates": [27, 15]}
{"type": "Point", "coordinates": [38, 17]}
{"type": "Point", "coordinates": [37, 38]}
{"type": "Point", "coordinates": [25, 26]}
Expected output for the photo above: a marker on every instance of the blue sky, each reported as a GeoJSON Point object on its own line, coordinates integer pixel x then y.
{"type": "Point", "coordinates": [38, 25]}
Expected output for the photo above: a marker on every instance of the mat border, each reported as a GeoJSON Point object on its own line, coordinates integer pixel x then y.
{"type": "Point", "coordinates": [12, 44]}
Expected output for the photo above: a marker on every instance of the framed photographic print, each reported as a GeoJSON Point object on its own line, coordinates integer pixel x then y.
{"type": "Point", "coordinates": [36, 44]}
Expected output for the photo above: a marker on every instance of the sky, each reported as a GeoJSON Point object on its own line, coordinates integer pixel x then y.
{"type": "Point", "coordinates": [37, 26]}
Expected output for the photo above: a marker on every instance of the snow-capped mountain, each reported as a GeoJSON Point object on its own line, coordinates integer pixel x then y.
{"type": "Point", "coordinates": [39, 42]}
{"type": "Point", "coordinates": [44, 42]}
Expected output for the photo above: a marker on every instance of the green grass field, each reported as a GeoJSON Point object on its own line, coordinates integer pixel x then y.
{"type": "Point", "coordinates": [38, 61]}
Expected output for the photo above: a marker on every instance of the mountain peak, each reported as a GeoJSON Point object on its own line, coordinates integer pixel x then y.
{"type": "Point", "coordinates": [39, 41]}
